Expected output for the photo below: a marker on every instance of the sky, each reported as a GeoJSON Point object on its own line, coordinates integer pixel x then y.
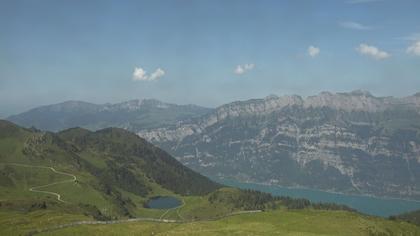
{"type": "Point", "coordinates": [204, 52]}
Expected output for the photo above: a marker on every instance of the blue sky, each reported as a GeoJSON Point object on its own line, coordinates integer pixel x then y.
{"type": "Point", "coordinates": [204, 52]}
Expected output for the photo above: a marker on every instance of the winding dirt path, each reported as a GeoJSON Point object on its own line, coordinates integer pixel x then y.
{"type": "Point", "coordinates": [35, 188]}
{"type": "Point", "coordinates": [72, 224]}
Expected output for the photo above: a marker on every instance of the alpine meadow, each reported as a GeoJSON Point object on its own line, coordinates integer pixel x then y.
{"type": "Point", "coordinates": [199, 117]}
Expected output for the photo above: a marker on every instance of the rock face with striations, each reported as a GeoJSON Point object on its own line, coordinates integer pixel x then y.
{"type": "Point", "coordinates": [347, 142]}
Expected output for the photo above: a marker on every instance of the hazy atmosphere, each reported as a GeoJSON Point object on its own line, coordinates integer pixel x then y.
{"type": "Point", "coordinates": [204, 52]}
{"type": "Point", "coordinates": [210, 117]}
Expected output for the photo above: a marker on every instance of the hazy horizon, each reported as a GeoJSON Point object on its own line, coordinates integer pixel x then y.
{"type": "Point", "coordinates": [204, 52]}
{"type": "Point", "coordinates": [244, 99]}
{"type": "Point", "coordinates": [210, 117]}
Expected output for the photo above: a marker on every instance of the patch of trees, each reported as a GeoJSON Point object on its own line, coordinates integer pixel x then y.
{"type": "Point", "coordinates": [123, 204]}
{"type": "Point", "coordinates": [169, 173]}
{"type": "Point", "coordinates": [38, 206]}
{"type": "Point", "coordinates": [125, 151]}
{"type": "Point", "coordinates": [123, 178]}
{"type": "Point", "coordinates": [24, 206]}
{"type": "Point", "coordinates": [412, 217]}
{"type": "Point", "coordinates": [294, 203]}
{"type": "Point", "coordinates": [256, 200]}
{"type": "Point", "coordinates": [243, 199]}
{"type": "Point", "coordinates": [332, 206]}
{"type": "Point", "coordinates": [302, 203]}
{"type": "Point", "coordinates": [91, 210]}
{"type": "Point", "coordinates": [6, 174]}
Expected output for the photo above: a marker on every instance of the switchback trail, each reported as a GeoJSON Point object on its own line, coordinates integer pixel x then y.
{"type": "Point", "coordinates": [35, 188]}
{"type": "Point", "coordinates": [93, 222]}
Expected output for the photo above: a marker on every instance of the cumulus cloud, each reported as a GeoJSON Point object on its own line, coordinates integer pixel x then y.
{"type": "Point", "coordinates": [157, 74]}
{"type": "Point", "coordinates": [313, 51]}
{"type": "Point", "coordinates": [354, 25]}
{"type": "Point", "coordinates": [414, 48]}
{"type": "Point", "coordinates": [241, 69]}
{"type": "Point", "coordinates": [372, 51]}
{"type": "Point", "coordinates": [140, 74]}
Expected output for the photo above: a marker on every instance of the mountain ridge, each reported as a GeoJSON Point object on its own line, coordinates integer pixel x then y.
{"type": "Point", "coordinates": [115, 174]}
{"type": "Point", "coordinates": [345, 142]}
{"type": "Point", "coordinates": [134, 114]}
{"type": "Point", "coordinates": [356, 142]}
{"type": "Point", "coordinates": [113, 166]}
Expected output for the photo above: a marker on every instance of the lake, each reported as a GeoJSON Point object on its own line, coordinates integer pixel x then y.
{"type": "Point", "coordinates": [366, 204]}
{"type": "Point", "coordinates": [163, 202]}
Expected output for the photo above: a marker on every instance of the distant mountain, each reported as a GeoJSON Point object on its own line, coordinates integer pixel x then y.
{"type": "Point", "coordinates": [133, 115]}
{"type": "Point", "coordinates": [346, 142]}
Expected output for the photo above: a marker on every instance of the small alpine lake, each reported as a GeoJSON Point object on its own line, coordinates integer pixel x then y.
{"type": "Point", "coordinates": [163, 202]}
{"type": "Point", "coordinates": [366, 204]}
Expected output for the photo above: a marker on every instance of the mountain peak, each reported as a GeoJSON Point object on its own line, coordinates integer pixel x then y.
{"type": "Point", "coordinates": [134, 114]}
{"type": "Point", "coordinates": [325, 93]}
{"type": "Point", "coordinates": [360, 92]}
{"type": "Point", "coordinates": [271, 97]}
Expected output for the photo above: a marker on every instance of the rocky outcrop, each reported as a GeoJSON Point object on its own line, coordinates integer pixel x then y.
{"type": "Point", "coordinates": [347, 142]}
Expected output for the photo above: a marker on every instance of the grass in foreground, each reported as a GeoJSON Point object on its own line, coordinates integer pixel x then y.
{"type": "Point", "coordinates": [278, 222]}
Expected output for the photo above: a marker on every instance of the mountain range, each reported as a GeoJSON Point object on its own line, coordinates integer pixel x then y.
{"type": "Point", "coordinates": [132, 115]}
{"type": "Point", "coordinates": [344, 142]}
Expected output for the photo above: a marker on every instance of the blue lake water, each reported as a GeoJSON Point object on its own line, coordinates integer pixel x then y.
{"type": "Point", "coordinates": [365, 204]}
{"type": "Point", "coordinates": [163, 202]}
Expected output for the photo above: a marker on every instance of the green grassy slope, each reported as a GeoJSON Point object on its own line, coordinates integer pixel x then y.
{"type": "Point", "coordinates": [117, 172]}
{"type": "Point", "coordinates": [278, 222]}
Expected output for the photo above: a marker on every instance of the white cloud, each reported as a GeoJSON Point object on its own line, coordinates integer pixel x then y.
{"type": "Point", "coordinates": [372, 51]}
{"type": "Point", "coordinates": [414, 48]}
{"type": "Point", "coordinates": [313, 51]}
{"type": "Point", "coordinates": [241, 69]}
{"type": "Point", "coordinates": [157, 74]}
{"type": "Point", "coordinates": [140, 74]}
{"type": "Point", "coordinates": [354, 25]}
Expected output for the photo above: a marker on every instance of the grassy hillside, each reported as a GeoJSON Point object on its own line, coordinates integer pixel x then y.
{"type": "Point", "coordinates": [303, 222]}
{"type": "Point", "coordinates": [277, 222]}
{"type": "Point", "coordinates": [116, 171]}
{"type": "Point", "coordinates": [48, 180]}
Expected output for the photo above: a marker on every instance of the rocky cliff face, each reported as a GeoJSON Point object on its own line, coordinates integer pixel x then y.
{"type": "Point", "coordinates": [348, 142]}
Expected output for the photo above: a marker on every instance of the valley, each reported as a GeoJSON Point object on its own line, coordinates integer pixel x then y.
{"type": "Point", "coordinates": [53, 184]}
{"type": "Point", "coordinates": [351, 143]}
{"type": "Point", "coordinates": [209, 117]}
